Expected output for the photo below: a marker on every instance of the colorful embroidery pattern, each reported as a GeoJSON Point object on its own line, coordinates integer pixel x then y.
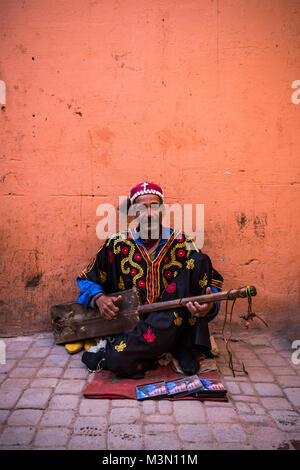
{"type": "Point", "coordinates": [192, 321]}
{"type": "Point", "coordinates": [178, 319]}
{"type": "Point", "coordinates": [149, 336]}
{"type": "Point", "coordinates": [190, 264]}
{"type": "Point", "coordinates": [217, 283]}
{"type": "Point", "coordinates": [203, 281]}
{"type": "Point", "coordinates": [103, 276]}
{"type": "Point", "coordinates": [121, 284]}
{"type": "Point", "coordinates": [120, 347]}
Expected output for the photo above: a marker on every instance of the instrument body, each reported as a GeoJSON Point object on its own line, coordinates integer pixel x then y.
{"type": "Point", "coordinates": [72, 322]}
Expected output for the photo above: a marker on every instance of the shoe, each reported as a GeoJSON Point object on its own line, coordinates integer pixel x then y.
{"type": "Point", "coordinates": [92, 360]}
{"type": "Point", "coordinates": [89, 343]}
{"type": "Point", "coordinates": [74, 348]}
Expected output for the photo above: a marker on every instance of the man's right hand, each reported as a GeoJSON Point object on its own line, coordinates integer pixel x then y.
{"type": "Point", "coordinates": [107, 307]}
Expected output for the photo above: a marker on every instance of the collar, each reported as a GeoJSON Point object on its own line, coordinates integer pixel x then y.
{"type": "Point", "coordinates": [165, 235]}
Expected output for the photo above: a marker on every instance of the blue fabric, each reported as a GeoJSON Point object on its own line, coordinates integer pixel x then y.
{"type": "Point", "coordinates": [87, 290]}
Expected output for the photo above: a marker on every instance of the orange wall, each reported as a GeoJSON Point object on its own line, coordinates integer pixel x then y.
{"type": "Point", "coordinates": [195, 95]}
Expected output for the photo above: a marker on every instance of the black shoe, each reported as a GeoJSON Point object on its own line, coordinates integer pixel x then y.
{"type": "Point", "coordinates": [92, 360]}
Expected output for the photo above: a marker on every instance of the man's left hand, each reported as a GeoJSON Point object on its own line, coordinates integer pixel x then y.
{"type": "Point", "coordinates": [200, 310]}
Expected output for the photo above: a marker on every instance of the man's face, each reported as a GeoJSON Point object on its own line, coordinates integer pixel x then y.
{"type": "Point", "coordinates": [150, 212]}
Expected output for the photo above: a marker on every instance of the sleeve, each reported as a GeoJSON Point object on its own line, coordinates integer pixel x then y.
{"type": "Point", "coordinates": [88, 290]}
{"type": "Point", "coordinates": [216, 286]}
{"type": "Point", "coordinates": [94, 278]}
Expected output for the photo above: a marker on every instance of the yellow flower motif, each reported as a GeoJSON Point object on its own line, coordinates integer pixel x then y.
{"type": "Point", "coordinates": [103, 276]}
{"type": "Point", "coordinates": [121, 346]}
{"type": "Point", "coordinates": [178, 319]}
{"type": "Point", "coordinates": [192, 321]}
{"type": "Point", "coordinates": [121, 284]}
{"type": "Point", "coordinates": [203, 282]}
{"type": "Point", "coordinates": [190, 264]}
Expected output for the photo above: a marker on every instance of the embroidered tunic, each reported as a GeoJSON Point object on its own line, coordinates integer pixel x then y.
{"type": "Point", "coordinates": [177, 269]}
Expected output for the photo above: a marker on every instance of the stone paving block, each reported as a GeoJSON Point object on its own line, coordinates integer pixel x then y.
{"type": "Point", "coordinates": [34, 398]}
{"type": "Point", "coordinates": [93, 407]}
{"type": "Point", "coordinates": [14, 353]}
{"type": "Point", "coordinates": [90, 426]}
{"type": "Point", "coordinates": [44, 342]}
{"type": "Point", "coordinates": [8, 397]}
{"type": "Point", "coordinates": [281, 343]}
{"type": "Point", "coordinates": [266, 437]}
{"type": "Point", "coordinates": [219, 415]}
{"type": "Point", "coordinates": [87, 443]}
{"type": "Point", "coordinates": [3, 416]}
{"type": "Point", "coordinates": [76, 373]}
{"type": "Point", "coordinates": [23, 372]}
{"type": "Point", "coordinates": [286, 420]}
{"type": "Point", "coordinates": [263, 419]}
{"type": "Point", "coordinates": [75, 361]}
{"type": "Point", "coordinates": [57, 418]}
{"type": "Point", "coordinates": [195, 433]}
{"type": "Point", "coordinates": [243, 408]}
{"type": "Point", "coordinates": [148, 406]}
{"type": "Point", "coordinates": [293, 395]}
{"type": "Point", "coordinates": [163, 441]}
{"type": "Point", "coordinates": [165, 407]}
{"type": "Point", "coordinates": [275, 403]}
{"type": "Point", "coordinates": [124, 437]}
{"type": "Point", "coordinates": [229, 433]}
{"type": "Point", "coordinates": [59, 350]}
{"type": "Point", "coordinates": [42, 382]}
{"type": "Point", "coordinates": [36, 352]}
{"type": "Point", "coordinates": [247, 388]}
{"type": "Point", "coordinates": [259, 340]}
{"type": "Point", "coordinates": [274, 360]}
{"type": "Point", "coordinates": [51, 437]}
{"type": "Point", "coordinates": [124, 415]}
{"type": "Point", "coordinates": [159, 418]}
{"type": "Point", "coordinates": [13, 383]}
{"type": "Point", "coordinates": [26, 417]}
{"type": "Point", "coordinates": [246, 398]}
{"type": "Point", "coordinates": [124, 403]}
{"type": "Point", "coordinates": [233, 388]}
{"type": "Point", "coordinates": [287, 381]}
{"type": "Point", "coordinates": [261, 374]}
{"type": "Point", "coordinates": [8, 366]}
{"type": "Point", "coordinates": [258, 409]}
{"type": "Point", "coordinates": [189, 412]}
{"type": "Point", "coordinates": [64, 402]}
{"type": "Point", "coordinates": [268, 389]}
{"type": "Point", "coordinates": [219, 404]}
{"type": "Point", "coordinates": [32, 362]}
{"type": "Point", "coordinates": [158, 428]}
{"type": "Point", "coordinates": [51, 372]}
{"type": "Point", "coordinates": [70, 386]}
{"type": "Point", "coordinates": [17, 435]}
{"type": "Point", "coordinates": [278, 370]}
{"type": "Point", "coordinates": [55, 361]}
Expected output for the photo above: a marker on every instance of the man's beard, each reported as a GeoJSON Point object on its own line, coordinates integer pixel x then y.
{"type": "Point", "coordinates": [150, 228]}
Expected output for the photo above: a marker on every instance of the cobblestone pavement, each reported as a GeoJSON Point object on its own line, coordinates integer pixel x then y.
{"type": "Point", "coordinates": [42, 404]}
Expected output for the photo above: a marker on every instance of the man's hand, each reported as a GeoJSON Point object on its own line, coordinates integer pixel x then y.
{"type": "Point", "coordinates": [200, 310]}
{"type": "Point", "coordinates": [107, 306]}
